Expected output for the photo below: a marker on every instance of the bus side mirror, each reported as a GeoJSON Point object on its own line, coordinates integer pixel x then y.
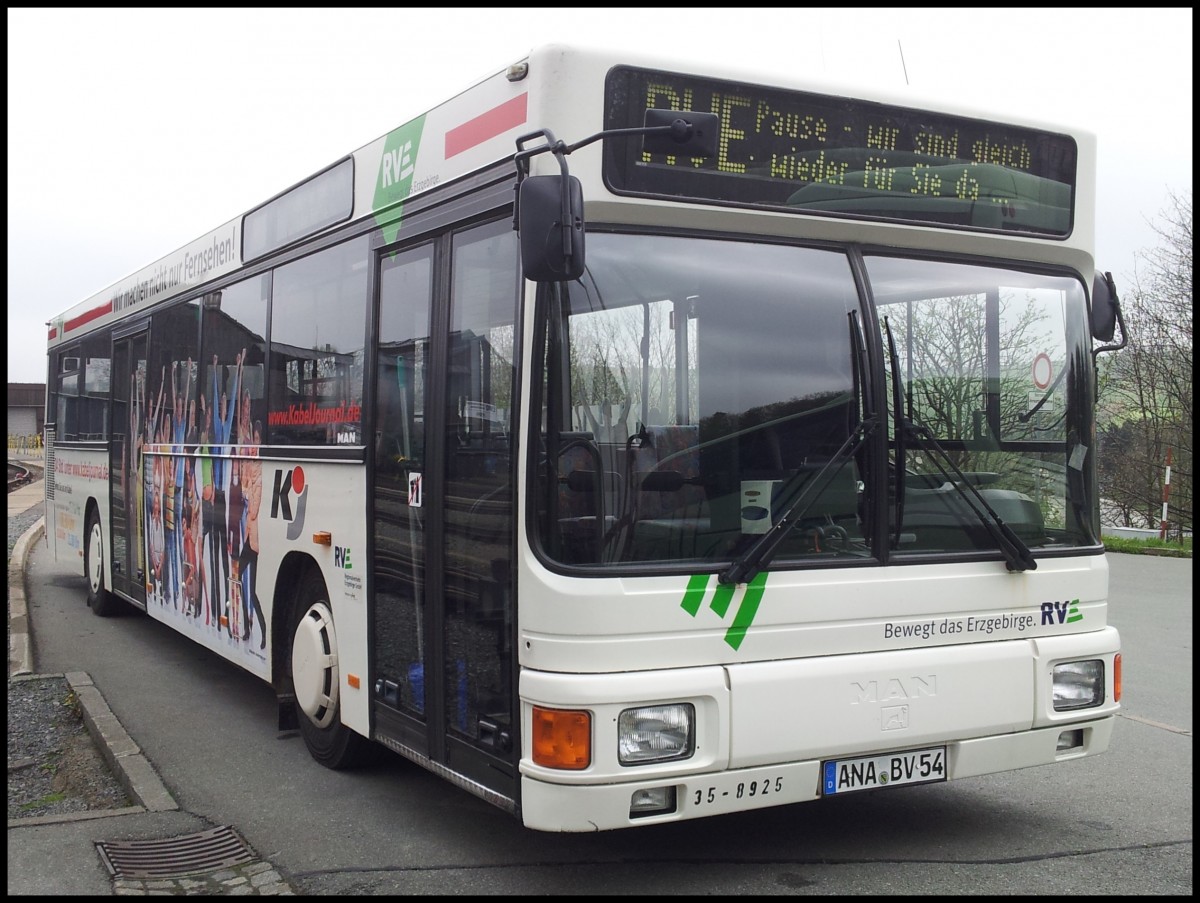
{"type": "Point", "coordinates": [551, 249]}
{"type": "Point", "coordinates": [549, 215]}
{"type": "Point", "coordinates": [1105, 306]}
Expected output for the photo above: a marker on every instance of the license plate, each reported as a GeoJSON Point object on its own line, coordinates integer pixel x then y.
{"type": "Point", "coordinates": [914, 766]}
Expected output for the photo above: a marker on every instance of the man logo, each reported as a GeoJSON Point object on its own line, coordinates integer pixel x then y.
{"type": "Point", "coordinates": [285, 487]}
{"type": "Point", "coordinates": [894, 717]}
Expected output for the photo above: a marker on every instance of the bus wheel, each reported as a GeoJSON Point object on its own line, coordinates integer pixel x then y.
{"type": "Point", "coordinates": [99, 600]}
{"type": "Point", "coordinates": [316, 682]}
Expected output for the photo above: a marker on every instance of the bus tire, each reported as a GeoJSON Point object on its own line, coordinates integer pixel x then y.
{"type": "Point", "coordinates": [316, 681]}
{"type": "Point", "coordinates": [99, 600]}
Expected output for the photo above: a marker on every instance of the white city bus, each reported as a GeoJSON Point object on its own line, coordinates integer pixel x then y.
{"type": "Point", "coordinates": [626, 442]}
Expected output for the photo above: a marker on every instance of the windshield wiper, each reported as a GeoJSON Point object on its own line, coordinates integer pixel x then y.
{"type": "Point", "coordinates": [754, 559]}
{"type": "Point", "coordinates": [1016, 553]}
{"type": "Point", "coordinates": [747, 565]}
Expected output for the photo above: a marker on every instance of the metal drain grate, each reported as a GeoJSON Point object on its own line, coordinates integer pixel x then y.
{"type": "Point", "coordinates": [175, 857]}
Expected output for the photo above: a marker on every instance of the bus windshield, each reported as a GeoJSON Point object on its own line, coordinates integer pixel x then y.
{"type": "Point", "coordinates": [701, 393]}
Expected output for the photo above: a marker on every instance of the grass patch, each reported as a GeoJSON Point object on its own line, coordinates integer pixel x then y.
{"type": "Point", "coordinates": [71, 703]}
{"type": "Point", "coordinates": [1168, 548]}
{"type": "Point", "coordinates": [44, 801]}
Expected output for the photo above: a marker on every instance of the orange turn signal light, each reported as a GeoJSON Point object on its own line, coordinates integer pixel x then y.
{"type": "Point", "coordinates": [562, 738]}
{"type": "Point", "coordinates": [1117, 677]}
{"type": "Point", "coordinates": [324, 538]}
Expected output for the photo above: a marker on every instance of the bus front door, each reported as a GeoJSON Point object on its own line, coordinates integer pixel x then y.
{"type": "Point", "coordinates": [443, 669]}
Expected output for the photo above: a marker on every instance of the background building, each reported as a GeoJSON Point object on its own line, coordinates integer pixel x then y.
{"type": "Point", "coordinates": [26, 412]}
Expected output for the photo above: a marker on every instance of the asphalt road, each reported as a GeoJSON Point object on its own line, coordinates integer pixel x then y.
{"type": "Point", "coordinates": [1120, 823]}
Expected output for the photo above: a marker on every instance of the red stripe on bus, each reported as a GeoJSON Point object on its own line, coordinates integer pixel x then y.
{"type": "Point", "coordinates": [494, 122]}
{"type": "Point", "coordinates": [53, 333]}
{"type": "Point", "coordinates": [83, 318]}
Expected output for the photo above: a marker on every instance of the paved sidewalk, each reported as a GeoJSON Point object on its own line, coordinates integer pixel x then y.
{"type": "Point", "coordinates": [26, 497]}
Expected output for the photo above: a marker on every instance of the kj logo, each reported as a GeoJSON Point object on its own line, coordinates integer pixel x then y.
{"type": "Point", "coordinates": [289, 485]}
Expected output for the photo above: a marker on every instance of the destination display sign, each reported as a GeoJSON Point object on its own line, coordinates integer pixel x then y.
{"type": "Point", "coordinates": [815, 153]}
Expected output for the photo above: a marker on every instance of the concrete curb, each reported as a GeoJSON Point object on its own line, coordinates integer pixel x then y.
{"type": "Point", "coordinates": [20, 649]}
{"type": "Point", "coordinates": [124, 757]}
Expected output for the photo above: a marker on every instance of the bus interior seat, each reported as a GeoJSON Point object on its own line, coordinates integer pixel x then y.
{"type": "Point", "coordinates": [672, 454]}
{"type": "Point", "coordinates": [584, 501]}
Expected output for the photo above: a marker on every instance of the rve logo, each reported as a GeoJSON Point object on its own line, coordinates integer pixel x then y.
{"type": "Point", "coordinates": [722, 596]}
{"type": "Point", "coordinates": [341, 558]}
{"type": "Point", "coordinates": [1061, 612]}
{"type": "Point", "coordinates": [285, 487]}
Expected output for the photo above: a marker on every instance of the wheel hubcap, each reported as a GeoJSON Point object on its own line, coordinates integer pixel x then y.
{"type": "Point", "coordinates": [95, 559]}
{"type": "Point", "coordinates": [314, 665]}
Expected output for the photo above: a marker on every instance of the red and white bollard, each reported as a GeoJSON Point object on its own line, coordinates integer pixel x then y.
{"type": "Point", "coordinates": [1162, 526]}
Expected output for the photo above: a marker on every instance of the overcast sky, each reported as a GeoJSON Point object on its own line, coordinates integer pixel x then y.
{"type": "Point", "coordinates": [133, 132]}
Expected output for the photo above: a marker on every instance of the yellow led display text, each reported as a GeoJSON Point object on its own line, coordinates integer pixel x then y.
{"type": "Point", "coordinates": [811, 152]}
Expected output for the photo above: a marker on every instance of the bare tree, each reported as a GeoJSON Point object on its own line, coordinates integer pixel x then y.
{"type": "Point", "coordinates": [943, 349]}
{"type": "Point", "coordinates": [1146, 402]}
{"type": "Point", "coordinates": [624, 369]}
{"type": "Point", "coordinates": [603, 388]}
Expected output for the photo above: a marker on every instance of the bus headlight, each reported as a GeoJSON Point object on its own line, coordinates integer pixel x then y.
{"type": "Point", "coordinates": [1078, 685]}
{"type": "Point", "coordinates": [656, 733]}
